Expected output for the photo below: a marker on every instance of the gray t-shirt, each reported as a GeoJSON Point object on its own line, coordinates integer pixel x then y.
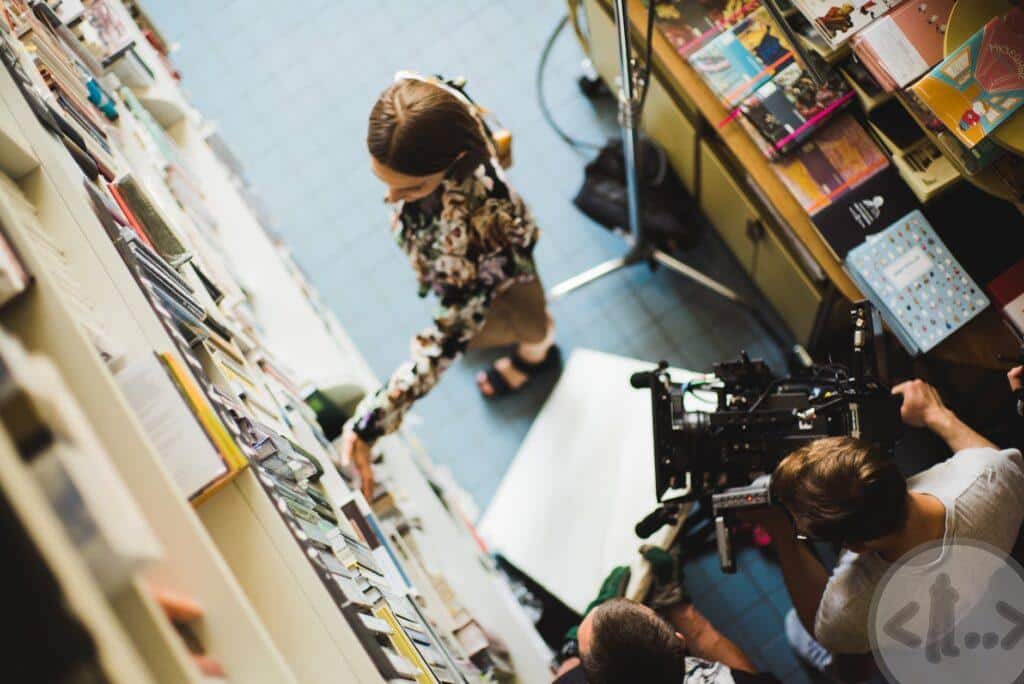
{"type": "Point", "coordinates": [983, 492]}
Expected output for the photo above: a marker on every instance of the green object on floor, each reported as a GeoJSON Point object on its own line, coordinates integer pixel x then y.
{"type": "Point", "coordinates": [613, 586]}
{"type": "Point", "coordinates": [669, 585]}
{"type": "Point", "coordinates": [333, 406]}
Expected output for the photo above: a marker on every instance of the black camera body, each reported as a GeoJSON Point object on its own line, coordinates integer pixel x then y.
{"type": "Point", "coordinates": [760, 418]}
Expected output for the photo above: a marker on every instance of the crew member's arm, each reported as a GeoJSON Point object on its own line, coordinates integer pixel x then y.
{"type": "Point", "coordinates": [704, 641]}
{"type": "Point", "coordinates": [434, 349]}
{"type": "Point", "coordinates": [923, 407]}
{"type": "Point", "coordinates": [803, 573]}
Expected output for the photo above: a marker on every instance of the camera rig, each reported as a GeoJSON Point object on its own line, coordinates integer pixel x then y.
{"type": "Point", "coordinates": [713, 457]}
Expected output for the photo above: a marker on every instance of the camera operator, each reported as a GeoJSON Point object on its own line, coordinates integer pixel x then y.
{"type": "Point", "coordinates": [841, 490]}
{"type": "Point", "coordinates": [622, 642]}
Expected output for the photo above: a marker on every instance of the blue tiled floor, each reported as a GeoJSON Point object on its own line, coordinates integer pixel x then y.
{"type": "Point", "coordinates": [291, 86]}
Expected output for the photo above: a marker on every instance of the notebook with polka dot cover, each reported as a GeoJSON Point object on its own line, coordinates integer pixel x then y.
{"type": "Point", "coordinates": [921, 289]}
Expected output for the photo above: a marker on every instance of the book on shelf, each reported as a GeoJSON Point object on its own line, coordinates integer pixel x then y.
{"type": "Point", "coordinates": [811, 39]}
{"type": "Point", "coordinates": [1007, 291]}
{"type": "Point", "coordinates": [837, 21]}
{"type": "Point", "coordinates": [922, 291]}
{"type": "Point", "coordinates": [981, 83]}
{"type": "Point", "coordinates": [790, 107]}
{"type": "Point", "coordinates": [925, 169]}
{"type": "Point", "coordinates": [137, 204]}
{"type": "Point", "coordinates": [689, 24]}
{"type": "Point", "coordinates": [743, 57]}
{"type": "Point", "coordinates": [904, 44]}
{"type": "Point", "coordinates": [969, 160]}
{"type": "Point", "coordinates": [832, 163]}
{"type": "Point", "coordinates": [869, 91]}
{"type": "Point", "coordinates": [187, 439]}
{"type": "Point", "coordinates": [870, 207]}
{"type": "Point", "coordinates": [893, 120]}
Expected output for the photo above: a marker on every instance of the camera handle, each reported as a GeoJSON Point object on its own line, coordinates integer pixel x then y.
{"type": "Point", "coordinates": [723, 509]}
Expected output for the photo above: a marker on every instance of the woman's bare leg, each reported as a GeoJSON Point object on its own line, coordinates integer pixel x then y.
{"type": "Point", "coordinates": [531, 352]}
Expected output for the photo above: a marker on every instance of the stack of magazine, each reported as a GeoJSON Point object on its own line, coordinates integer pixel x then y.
{"type": "Point", "coordinates": [745, 59]}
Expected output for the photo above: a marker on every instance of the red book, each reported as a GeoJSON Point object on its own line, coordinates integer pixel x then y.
{"type": "Point", "coordinates": [133, 221]}
{"type": "Point", "coordinates": [1007, 292]}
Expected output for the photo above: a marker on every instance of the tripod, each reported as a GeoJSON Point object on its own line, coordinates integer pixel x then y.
{"type": "Point", "coordinates": [640, 250]}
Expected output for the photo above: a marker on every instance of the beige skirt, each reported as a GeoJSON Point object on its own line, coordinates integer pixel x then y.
{"type": "Point", "coordinates": [519, 314]}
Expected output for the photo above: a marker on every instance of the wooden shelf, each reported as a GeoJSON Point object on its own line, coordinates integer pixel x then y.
{"type": "Point", "coordinates": [267, 616]}
{"type": "Point", "coordinates": [46, 321]}
{"type": "Point", "coordinates": [976, 344]}
{"type": "Point", "coordinates": [688, 84]}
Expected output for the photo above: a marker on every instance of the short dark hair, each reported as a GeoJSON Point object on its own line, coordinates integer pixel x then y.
{"type": "Point", "coordinates": [842, 490]}
{"type": "Point", "coordinates": [629, 644]}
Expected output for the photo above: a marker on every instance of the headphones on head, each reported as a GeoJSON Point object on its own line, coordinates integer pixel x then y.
{"type": "Point", "coordinates": [500, 137]}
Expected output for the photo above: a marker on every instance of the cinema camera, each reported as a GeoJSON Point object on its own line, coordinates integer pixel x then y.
{"type": "Point", "coordinates": [713, 457]}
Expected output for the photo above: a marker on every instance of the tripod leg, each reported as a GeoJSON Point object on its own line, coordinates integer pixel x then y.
{"type": "Point", "coordinates": [682, 269]}
{"type": "Point", "coordinates": [673, 264]}
{"type": "Point", "coordinates": [590, 275]}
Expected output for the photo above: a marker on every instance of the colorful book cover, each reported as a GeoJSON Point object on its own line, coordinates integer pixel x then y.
{"type": "Point", "coordinates": [838, 159]}
{"type": "Point", "coordinates": [690, 24]}
{"type": "Point", "coordinates": [790, 107]}
{"type": "Point", "coordinates": [839, 21]}
{"type": "Point", "coordinates": [739, 60]}
{"type": "Point", "coordinates": [981, 83]}
{"type": "Point", "coordinates": [922, 290]}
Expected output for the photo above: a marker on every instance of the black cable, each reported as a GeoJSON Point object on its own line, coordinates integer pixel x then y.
{"type": "Point", "coordinates": [539, 80]}
{"type": "Point", "coordinates": [647, 57]}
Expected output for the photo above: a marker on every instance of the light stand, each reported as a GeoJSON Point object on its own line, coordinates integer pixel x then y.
{"type": "Point", "coordinates": [641, 250]}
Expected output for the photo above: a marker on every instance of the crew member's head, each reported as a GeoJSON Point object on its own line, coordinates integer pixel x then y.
{"type": "Point", "coordinates": [418, 133]}
{"type": "Point", "coordinates": [842, 490]}
{"type": "Point", "coordinates": [623, 642]}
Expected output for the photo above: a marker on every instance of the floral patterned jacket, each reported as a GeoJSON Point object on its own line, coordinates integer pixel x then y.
{"type": "Point", "coordinates": [467, 243]}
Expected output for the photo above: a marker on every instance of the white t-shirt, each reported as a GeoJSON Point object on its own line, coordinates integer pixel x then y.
{"type": "Point", "coordinates": [983, 492]}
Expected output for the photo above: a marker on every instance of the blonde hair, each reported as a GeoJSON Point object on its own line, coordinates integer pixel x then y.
{"type": "Point", "coordinates": [842, 490]}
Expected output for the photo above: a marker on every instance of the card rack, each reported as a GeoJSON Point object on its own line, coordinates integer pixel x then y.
{"type": "Point", "coordinates": [390, 628]}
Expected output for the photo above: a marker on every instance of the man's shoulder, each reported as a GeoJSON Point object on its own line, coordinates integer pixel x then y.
{"type": "Point", "coordinates": [967, 468]}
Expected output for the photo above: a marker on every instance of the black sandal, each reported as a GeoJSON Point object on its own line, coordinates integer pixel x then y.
{"type": "Point", "coordinates": [500, 385]}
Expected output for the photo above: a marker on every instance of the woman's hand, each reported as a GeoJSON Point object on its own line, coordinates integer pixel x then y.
{"type": "Point", "coordinates": [356, 451]}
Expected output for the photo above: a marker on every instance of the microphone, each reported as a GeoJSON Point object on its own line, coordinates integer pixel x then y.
{"type": "Point", "coordinates": [655, 520]}
{"type": "Point", "coordinates": [641, 380]}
